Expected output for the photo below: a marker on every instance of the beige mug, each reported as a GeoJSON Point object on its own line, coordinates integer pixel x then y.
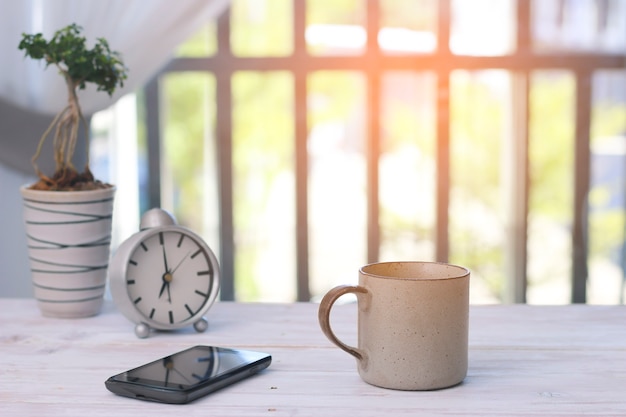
{"type": "Point", "coordinates": [412, 324]}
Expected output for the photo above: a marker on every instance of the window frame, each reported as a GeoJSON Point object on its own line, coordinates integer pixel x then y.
{"type": "Point", "coordinates": [374, 63]}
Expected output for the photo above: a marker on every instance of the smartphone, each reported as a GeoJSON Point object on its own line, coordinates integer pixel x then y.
{"type": "Point", "coordinates": [187, 375]}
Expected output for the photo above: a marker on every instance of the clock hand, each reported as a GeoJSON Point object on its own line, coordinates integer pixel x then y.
{"type": "Point", "coordinates": [168, 364]}
{"type": "Point", "coordinates": [167, 278]}
{"type": "Point", "coordinates": [162, 288]}
{"type": "Point", "coordinates": [180, 263]}
{"type": "Point", "coordinates": [165, 259]}
{"type": "Point", "coordinates": [182, 376]}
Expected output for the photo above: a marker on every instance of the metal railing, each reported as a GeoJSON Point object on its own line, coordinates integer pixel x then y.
{"type": "Point", "coordinates": [373, 64]}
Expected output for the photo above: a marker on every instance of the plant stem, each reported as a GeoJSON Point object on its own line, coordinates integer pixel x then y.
{"type": "Point", "coordinates": [41, 142]}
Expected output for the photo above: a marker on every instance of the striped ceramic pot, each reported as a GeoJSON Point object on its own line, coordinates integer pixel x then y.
{"type": "Point", "coordinates": [69, 238]}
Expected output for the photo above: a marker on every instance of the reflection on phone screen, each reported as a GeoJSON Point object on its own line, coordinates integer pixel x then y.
{"type": "Point", "coordinates": [188, 368]}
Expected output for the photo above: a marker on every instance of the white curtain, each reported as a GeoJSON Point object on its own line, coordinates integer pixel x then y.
{"type": "Point", "coordinates": [145, 32]}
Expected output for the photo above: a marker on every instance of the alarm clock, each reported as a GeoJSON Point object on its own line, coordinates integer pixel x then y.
{"type": "Point", "coordinates": [164, 277]}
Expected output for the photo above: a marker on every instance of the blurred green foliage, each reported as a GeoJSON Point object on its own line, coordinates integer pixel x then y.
{"type": "Point", "coordinates": [263, 135]}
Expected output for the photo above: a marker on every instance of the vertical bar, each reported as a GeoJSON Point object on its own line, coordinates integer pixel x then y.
{"type": "Point", "coordinates": [301, 158]}
{"type": "Point", "coordinates": [516, 253]}
{"type": "Point", "coordinates": [373, 132]}
{"type": "Point", "coordinates": [517, 193]}
{"type": "Point", "coordinates": [623, 250]}
{"type": "Point", "coordinates": [373, 156]}
{"type": "Point", "coordinates": [299, 28]}
{"type": "Point", "coordinates": [153, 133]}
{"type": "Point", "coordinates": [582, 163]}
{"type": "Point", "coordinates": [443, 166]}
{"type": "Point", "coordinates": [224, 152]}
{"type": "Point", "coordinates": [524, 41]}
{"type": "Point", "coordinates": [443, 133]}
{"type": "Point", "coordinates": [301, 166]}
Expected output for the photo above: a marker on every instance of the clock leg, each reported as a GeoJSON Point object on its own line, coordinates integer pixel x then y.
{"type": "Point", "coordinates": [142, 330]}
{"type": "Point", "coordinates": [201, 325]}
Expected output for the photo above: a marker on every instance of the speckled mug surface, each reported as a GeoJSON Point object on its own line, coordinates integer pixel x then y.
{"type": "Point", "coordinates": [412, 324]}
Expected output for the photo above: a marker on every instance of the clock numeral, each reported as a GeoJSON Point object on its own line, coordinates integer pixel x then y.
{"type": "Point", "coordinates": [180, 241]}
{"type": "Point", "coordinates": [143, 245]}
{"type": "Point", "coordinates": [152, 313]}
{"type": "Point", "coordinates": [207, 272]}
{"type": "Point", "coordinates": [199, 251]}
{"type": "Point", "coordinates": [201, 293]}
{"type": "Point", "coordinates": [161, 238]}
{"type": "Point", "coordinates": [137, 300]}
{"type": "Point", "coordinates": [171, 317]}
{"type": "Point", "coordinates": [130, 282]}
{"type": "Point", "coordinates": [132, 262]}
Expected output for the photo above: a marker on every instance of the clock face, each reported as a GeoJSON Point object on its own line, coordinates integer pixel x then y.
{"type": "Point", "coordinates": [170, 277]}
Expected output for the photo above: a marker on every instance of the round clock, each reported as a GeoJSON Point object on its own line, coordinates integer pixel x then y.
{"type": "Point", "coordinates": [164, 277]}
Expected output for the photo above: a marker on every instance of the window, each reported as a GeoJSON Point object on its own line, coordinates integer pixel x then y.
{"type": "Point", "coordinates": [305, 139]}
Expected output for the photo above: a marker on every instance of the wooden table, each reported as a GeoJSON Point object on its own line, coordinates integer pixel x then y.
{"type": "Point", "coordinates": [524, 360]}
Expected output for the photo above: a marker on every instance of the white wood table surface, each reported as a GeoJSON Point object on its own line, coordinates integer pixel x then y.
{"type": "Point", "coordinates": [524, 360]}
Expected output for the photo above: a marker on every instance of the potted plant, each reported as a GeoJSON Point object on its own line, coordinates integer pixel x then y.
{"type": "Point", "coordinates": [68, 214]}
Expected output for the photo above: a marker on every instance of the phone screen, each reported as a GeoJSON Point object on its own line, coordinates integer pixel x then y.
{"type": "Point", "coordinates": [200, 369]}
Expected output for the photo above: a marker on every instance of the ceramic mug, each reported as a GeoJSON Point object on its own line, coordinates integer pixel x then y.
{"type": "Point", "coordinates": [412, 324]}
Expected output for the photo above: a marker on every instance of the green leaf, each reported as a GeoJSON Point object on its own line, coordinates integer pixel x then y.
{"type": "Point", "coordinates": [67, 49]}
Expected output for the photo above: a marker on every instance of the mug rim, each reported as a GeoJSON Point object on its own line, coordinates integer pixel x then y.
{"type": "Point", "coordinates": [463, 271]}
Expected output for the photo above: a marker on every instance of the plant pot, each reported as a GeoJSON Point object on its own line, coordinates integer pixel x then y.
{"type": "Point", "coordinates": [69, 238]}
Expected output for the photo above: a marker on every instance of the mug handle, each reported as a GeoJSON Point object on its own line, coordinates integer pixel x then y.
{"type": "Point", "coordinates": [324, 316]}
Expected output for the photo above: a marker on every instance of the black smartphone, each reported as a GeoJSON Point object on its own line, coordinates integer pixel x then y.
{"type": "Point", "coordinates": [187, 375]}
